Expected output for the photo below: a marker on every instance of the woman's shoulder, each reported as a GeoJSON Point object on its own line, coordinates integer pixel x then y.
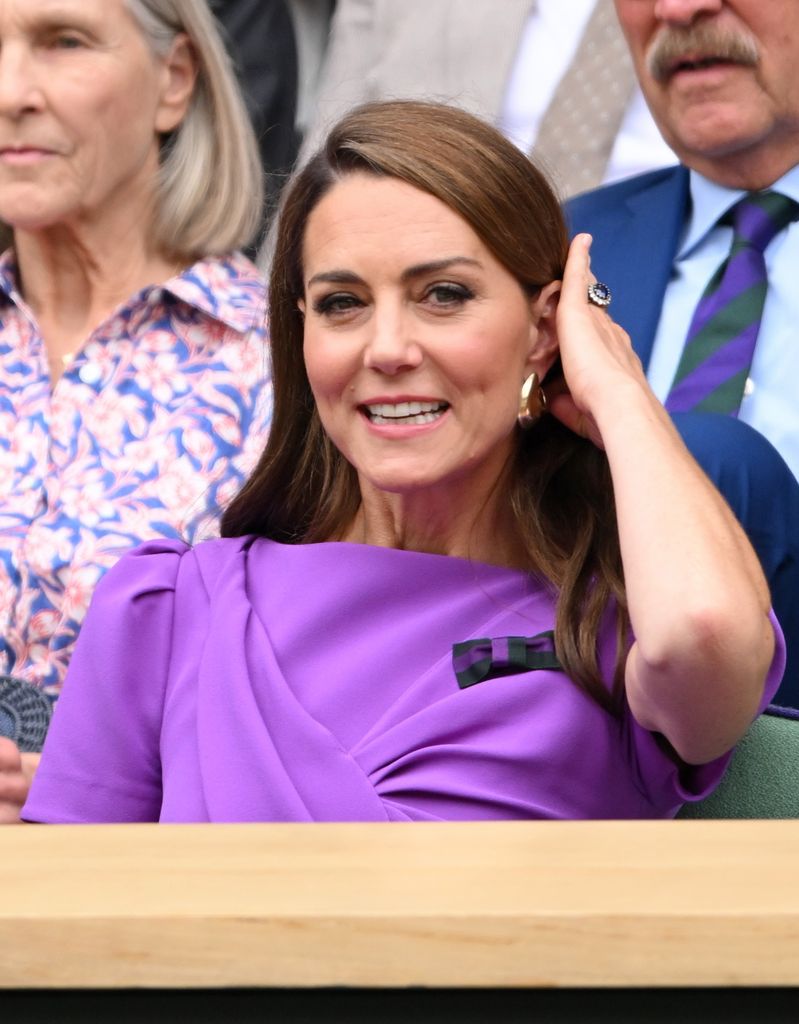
{"type": "Point", "coordinates": [162, 564]}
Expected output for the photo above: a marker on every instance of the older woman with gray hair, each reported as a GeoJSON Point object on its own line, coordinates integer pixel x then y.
{"type": "Point", "coordinates": [134, 377]}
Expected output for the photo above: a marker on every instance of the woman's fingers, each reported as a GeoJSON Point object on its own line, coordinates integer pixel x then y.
{"type": "Point", "coordinates": [596, 353]}
{"type": "Point", "coordinates": [14, 782]}
{"type": "Point", "coordinates": [577, 272]}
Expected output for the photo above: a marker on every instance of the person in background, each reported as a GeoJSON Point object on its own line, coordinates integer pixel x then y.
{"type": "Point", "coordinates": [312, 20]}
{"type": "Point", "coordinates": [261, 40]}
{"type": "Point", "coordinates": [433, 599]}
{"type": "Point", "coordinates": [720, 79]}
{"type": "Point", "coordinates": [559, 84]}
{"type": "Point", "coordinates": [135, 388]}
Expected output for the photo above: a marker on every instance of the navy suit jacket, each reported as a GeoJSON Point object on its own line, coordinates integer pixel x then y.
{"type": "Point", "coordinates": [636, 226]}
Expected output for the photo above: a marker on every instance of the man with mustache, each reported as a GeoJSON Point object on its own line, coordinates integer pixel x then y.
{"type": "Point", "coordinates": [720, 77]}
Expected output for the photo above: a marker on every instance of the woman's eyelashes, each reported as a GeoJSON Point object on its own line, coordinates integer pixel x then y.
{"type": "Point", "coordinates": [63, 37]}
{"type": "Point", "coordinates": [441, 297]}
{"type": "Point", "coordinates": [336, 304]}
{"type": "Point", "coordinates": [448, 295]}
{"type": "Point", "coordinates": [65, 41]}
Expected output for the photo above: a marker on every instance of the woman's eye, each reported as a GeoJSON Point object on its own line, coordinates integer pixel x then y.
{"type": "Point", "coordinates": [64, 41]}
{"type": "Point", "coordinates": [337, 303]}
{"type": "Point", "coordinates": [448, 295]}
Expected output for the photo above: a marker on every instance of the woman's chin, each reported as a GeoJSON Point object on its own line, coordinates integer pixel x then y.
{"type": "Point", "coordinates": [404, 481]}
{"type": "Point", "coordinates": [27, 222]}
{"type": "Point", "coordinates": [402, 485]}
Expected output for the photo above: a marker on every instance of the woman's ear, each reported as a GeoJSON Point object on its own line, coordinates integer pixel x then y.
{"type": "Point", "coordinates": [179, 75]}
{"type": "Point", "coordinates": [301, 306]}
{"type": "Point", "coordinates": [543, 331]}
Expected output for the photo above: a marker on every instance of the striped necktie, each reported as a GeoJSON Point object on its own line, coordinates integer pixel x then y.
{"type": "Point", "coordinates": [718, 351]}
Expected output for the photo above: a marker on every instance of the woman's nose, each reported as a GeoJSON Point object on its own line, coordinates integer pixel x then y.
{"type": "Point", "coordinates": [20, 90]}
{"type": "Point", "coordinates": [392, 344]}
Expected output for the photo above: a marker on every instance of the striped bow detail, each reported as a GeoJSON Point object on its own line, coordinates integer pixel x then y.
{"type": "Point", "coordinates": [487, 658]}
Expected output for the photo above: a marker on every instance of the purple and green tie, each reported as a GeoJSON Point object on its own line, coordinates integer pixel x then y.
{"type": "Point", "coordinates": [718, 351]}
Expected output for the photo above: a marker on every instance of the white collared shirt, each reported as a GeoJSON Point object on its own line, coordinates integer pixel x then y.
{"type": "Point", "coordinates": [771, 401]}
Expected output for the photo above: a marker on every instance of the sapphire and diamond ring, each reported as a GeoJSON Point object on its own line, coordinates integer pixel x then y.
{"type": "Point", "coordinates": [599, 294]}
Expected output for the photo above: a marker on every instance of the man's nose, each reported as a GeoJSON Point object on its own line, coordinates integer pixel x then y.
{"type": "Point", "coordinates": [683, 12]}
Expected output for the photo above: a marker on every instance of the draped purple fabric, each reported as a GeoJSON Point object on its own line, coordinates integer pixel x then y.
{"type": "Point", "coordinates": [245, 680]}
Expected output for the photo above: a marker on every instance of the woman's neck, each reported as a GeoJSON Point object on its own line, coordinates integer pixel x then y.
{"type": "Point", "coordinates": [73, 281]}
{"type": "Point", "coordinates": [462, 525]}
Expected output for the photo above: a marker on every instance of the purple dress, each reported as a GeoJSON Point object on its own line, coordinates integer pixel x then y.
{"type": "Point", "coordinates": [245, 680]}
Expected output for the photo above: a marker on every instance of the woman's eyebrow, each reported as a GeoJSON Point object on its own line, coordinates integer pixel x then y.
{"type": "Point", "coordinates": [61, 17]}
{"type": "Point", "coordinates": [434, 266]}
{"type": "Point", "coordinates": [417, 270]}
{"type": "Point", "coordinates": [335, 277]}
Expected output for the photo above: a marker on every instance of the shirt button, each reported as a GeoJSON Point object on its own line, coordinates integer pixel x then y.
{"type": "Point", "coordinates": [749, 387]}
{"type": "Point", "coordinates": [90, 373]}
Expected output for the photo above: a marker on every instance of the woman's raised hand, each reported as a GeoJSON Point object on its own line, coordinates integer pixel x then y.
{"type": "Point", "coordinates": [599, 365]}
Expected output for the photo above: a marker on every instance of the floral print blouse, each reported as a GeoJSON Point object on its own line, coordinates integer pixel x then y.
{"type": "Point", "coordinates": [151, 429]}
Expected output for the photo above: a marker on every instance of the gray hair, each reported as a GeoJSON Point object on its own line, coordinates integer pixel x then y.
{"type": "Point", "coordinates": [211, 187]}
{"type": "Point", "coordinates": [210, 190]}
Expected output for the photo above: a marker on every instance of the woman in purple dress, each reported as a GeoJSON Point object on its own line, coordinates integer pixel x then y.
{"type": "Point", "coordinates": [434, 599]}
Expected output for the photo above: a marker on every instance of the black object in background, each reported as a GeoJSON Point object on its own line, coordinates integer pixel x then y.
{"type": "Point", "coordinates": [261, 40]}
{"type": "Point", "coordinates": [24, 713]}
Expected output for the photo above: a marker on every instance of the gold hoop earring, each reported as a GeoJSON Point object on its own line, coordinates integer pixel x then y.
{"type": "Point", "coordinates": [532, 402]}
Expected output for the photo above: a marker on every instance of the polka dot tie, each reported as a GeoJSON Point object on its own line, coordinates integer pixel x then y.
{"type": "Point", "coordinates": [580, 126]}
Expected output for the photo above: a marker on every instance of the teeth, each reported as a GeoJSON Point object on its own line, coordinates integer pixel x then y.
{"type": "Point", "coordinates": [416, 413]}
{"type": "Point", "coordinates": [422, 417]}
{"type": "Point", "coordinates": [402, 409]}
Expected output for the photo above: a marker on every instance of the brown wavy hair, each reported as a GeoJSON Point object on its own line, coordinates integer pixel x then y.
{"type": "Point", "coordinates": [560, 490]}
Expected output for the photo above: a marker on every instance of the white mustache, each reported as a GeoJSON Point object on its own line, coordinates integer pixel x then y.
{"type": "Point", "coordinates": [673, 46]}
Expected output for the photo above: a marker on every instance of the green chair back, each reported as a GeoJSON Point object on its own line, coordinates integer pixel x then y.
{"type": "Point", "coordinates": [762, 780]}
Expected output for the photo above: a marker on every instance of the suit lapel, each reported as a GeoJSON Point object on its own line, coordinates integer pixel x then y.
{"type": "Point", "coordinates": [638, 245]}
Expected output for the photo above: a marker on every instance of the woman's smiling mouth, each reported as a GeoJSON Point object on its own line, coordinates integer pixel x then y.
{"type": "Point", "coordinates": [405, 413]}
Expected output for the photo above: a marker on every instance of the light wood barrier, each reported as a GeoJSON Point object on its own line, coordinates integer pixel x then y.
{"type": "Point", "coordinates": [575, 904]}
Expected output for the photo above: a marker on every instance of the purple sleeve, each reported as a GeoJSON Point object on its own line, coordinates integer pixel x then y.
{"type": "Point", "coordinates": [101, 760]}
{"type": "Point", "coordinates": [662, 779]}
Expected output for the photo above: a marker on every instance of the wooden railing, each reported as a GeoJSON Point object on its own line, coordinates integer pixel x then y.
{"type": "Point", "coordinates": [582, 904]}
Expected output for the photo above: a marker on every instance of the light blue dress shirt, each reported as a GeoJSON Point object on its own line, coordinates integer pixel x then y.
{"type": "Point", "coordinates": [771, 400]}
